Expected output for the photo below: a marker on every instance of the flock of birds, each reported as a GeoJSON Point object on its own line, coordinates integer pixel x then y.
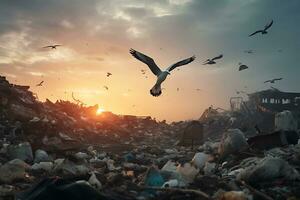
{"type": "Point", "coordinates": [161, 75]}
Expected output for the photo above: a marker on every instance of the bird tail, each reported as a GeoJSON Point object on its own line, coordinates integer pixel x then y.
{"type": "Point", "coordinates": [156, 90]}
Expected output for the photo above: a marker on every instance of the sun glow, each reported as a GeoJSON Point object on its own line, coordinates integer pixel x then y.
{"type": "Point", "coordinates": [99, 111]}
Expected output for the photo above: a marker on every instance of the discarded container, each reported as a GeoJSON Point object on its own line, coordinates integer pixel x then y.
{"type": "Point", "coordinates": [171, 183]}
{"type": "Point", "coordinates": [153, 178]}
{"type": "Point", "coordinates": [170, 166]}
{"type": "Point", "coordinates": [200, 159]}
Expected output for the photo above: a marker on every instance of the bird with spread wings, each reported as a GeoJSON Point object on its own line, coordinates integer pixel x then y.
{"type": "Point", "coordinates": [212, 61]}
{"type": "Point", "coordinates": [40, 84]}
{"type": "Point", "coordinates": [53, 46]}
{"type": "Point", "coordinates": [263, 31]}
{"type": "Point", "coordinates": [273, 80]}
{"type": "Point", "coordinates": [161, 75]}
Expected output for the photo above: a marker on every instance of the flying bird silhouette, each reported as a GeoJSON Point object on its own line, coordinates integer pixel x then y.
{"type": "Point", "coordinates": [263, 31]}
{"type": "Point", "coordinates": [105, 87]}
{"type": "Point", "coordinates": [108, 74]}
{"type": "Point", "coordinates": [40, 84]}
{"type": "Point", "coordinates": [242, 67]}
{"type": "Point", "coordinates": [249, 51]}
{"type": "Point", "coordinates": [273, 80]}
{"type": "Point", "coordinates": [212, 61]}
{"type": "Point", "coordinates": [161, 75]}
{"type": "Point", "coordinates": [52, 46]}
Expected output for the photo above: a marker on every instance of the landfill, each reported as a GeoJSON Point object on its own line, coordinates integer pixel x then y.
{"type": "Point", "coordinates": [63, 150]}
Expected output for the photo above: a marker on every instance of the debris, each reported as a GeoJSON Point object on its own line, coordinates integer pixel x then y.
{"type": "Point", "coordinates": [197, 192]}
{"type": "Point", "coordinates": [13, 170]}
{"type": "Point", "coordinates": [285, 121]}
{"type": "Point", "coordinates": [233, 195]}
{"type": "Point", "coordinates": [44, 166]}
{"type": "Point", "coordinates": [20, 151]}
{"type": "Point", "coordinates": [209, 168]}
{"type": "Point", "coordinates": [153, 177]}
{"type": "Point", "coordinates": [55, 188]}
{"type": "Point", "coordinates": [268, 169]}
{"type": "Point", "coordinates": [192, 134]}
{"type": "Point", "coordinates": [187, 172]}
{"type": "Point", "coordinates": [200, 159]}
{"type": "Point", "coordinates": [233, 141]}
{"type": "Point", "coordinates": [109, 156]}
{"type": "Point", "coordinates": [272, 140]}
{"type": "Point", "coordinates": [95, 183]}
{"type": "Point", "coordinates": [41, 156]}
{"type": "Point", "coordinates": [255, 191]}
{"type": "Point", "coordinates": [171, 183]}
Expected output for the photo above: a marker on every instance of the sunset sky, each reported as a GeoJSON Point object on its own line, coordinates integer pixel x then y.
{"type": "Point", "coordinates": [97, 34]}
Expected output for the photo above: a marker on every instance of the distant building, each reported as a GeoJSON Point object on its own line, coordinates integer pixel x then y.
{"type": "Point", "coordinates": [274, 100]}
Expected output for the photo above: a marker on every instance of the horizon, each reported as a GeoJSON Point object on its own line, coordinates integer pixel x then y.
{"type": "Point", "coordinates": [96, 36]}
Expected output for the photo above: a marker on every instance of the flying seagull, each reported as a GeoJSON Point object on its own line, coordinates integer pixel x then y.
{"type": "Point", "coordinates": [52, 46]}
{"type": "Point", "coordinates": [212, 61]}
{"type": "Point", "coordinates": [105, 87]}
{"type": "Point", "coordinates": [40, 84]}
{"type": "Point", "coordinates": [161, 75]}
{"type": "Point", "coordinates": [242, 67]}
{"type": "Point", "coordinates": [108, 74]}
{"type": "Point", "coordinates": [273, 80]}
{"type": "Point", "coordinates": [263, 31]}
{"type": "Point", "coordinates": [249, 51]}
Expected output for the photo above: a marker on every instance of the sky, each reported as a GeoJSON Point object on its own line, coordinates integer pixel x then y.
{"type": "Point", "coordinates": [97, 34]}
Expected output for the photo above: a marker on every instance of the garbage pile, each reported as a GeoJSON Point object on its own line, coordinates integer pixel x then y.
{"type": "Point", "coordinates": [63, 150]}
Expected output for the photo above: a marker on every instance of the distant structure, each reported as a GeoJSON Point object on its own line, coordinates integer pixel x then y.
{"type": "Point", "coordinates": [262, 107]}
{"type": "Point", "coordinates": [274, 100]}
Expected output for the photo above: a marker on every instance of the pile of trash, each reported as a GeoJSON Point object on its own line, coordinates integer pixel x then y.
{"type": "Point", "coordinates": [63, 150]}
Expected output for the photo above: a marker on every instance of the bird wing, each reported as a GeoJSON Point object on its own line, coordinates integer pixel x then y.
{"type": "Point", "coordinates": [243, 67]}
{"type": "Point", "coordinates": [268, 25]}
{"type": "Point", "coordinates": [267, 81]}
{"type": "Point", "coordinates": [259, 31]}
{"type": "Point", "coordinates": [218, 57]}
{"type": "Point", "coordinates": [180, 63]}
{"type": "Point", "coordinates": [147, 60]}
{"type": "Point", "coordinates": [278, 79]}
{"type": "Point", "coordinates": [48, 46]}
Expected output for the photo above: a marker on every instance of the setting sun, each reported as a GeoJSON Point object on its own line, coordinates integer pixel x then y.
{"type": "Point", "coordinates": [99, 111]}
